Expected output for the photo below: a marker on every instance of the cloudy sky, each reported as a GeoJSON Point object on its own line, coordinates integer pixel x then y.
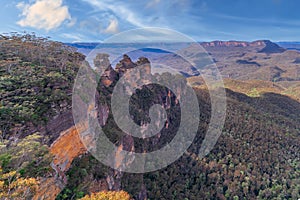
{"type": "Point", "coordinates": [203, 20]}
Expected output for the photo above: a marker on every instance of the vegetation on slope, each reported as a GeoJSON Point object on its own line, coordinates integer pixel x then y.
{"type": "Point", "coordinates": [110, 195]}
{"type": "Point", "coordinates": [36, 78]}
{"type": "Point", "coordinates": [257, 156]}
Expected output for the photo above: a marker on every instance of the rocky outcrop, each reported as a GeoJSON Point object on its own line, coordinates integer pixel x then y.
{"type": "Point", "coordinates": [271, 47]}
{"type": "Point", "coordinates": [226, 44]}
{"type": "Point", "coordinates": [124, 64]}
{"type": "Point", "coordinates": [109, 75]}
{"type": "Point", "coordinates": [48, 189]}
{"type": "Point", "coordinates": [67, 147]}
{"type": "Point", "coordinates": [69, 144]}
{"type": "Point", "coordinates": [58, 124]}
{"type": "Point", "coordinates": [266, 45]}
{"type": "Point", "coordinates": [103, 112]}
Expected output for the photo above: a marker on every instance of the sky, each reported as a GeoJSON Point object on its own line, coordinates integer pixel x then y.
{"type": "Point", "coordinates": [202, 20]}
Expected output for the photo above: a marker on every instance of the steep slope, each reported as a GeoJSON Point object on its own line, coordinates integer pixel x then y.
{"type": "Point", "coordinates": [65, 148]}
{"type": "Point", "coordinates": [36, 83]}
{"type": "Point", "coordinates": [264, 44]}
{"type": "Point", "coordinates": [36, 80]}
{"type": "Point", "coordinates": [257, 155]}
{"type": "Point", "coordinates": [271, 47]}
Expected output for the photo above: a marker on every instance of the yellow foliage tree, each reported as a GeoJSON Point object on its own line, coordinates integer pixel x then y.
{"type": "Point", "coordinates": [12, 186]}
{"type": "Point", "coordinates": [108, 195]}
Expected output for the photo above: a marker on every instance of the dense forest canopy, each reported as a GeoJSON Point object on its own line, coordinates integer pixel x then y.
{"type": "Point", "coordinates": [256, 157]}
{"type": "Point", "coordinates": [36, 79]}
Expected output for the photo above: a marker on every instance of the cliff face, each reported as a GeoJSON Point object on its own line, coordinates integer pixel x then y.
{"type": "Point", "coordinates": [271, 47]}
{"type": "Point", "coordinates": [64, 149]}
{"type": "Point", "coordinates": [265, 46]}
{"type": "Point", "coordinates": [226, 44]}
{"type": "Point", "coordinates": [142, 99]}
{"type": "Point", "coordinates": [49, 188]}
{"type": "Point", "coordinates": [107, 82]}
{"type": "Point", "coordinates": [109, 74]}
{"type": "Point", "coordinates": [67, 147]}
{"type": "Point", "coordinates": [244, 157]}
{"type": "Point", "coordinates": [125, 64]}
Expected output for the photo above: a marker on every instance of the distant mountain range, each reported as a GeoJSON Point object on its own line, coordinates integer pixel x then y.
{"type": "Point", "coordinates": [290, 45]}
{"type": "Point", "coordinates": [271, 47]}
{"type": "Point", "coordinates": [235, 59]}
{"type": "Point", "coordinates": [42, 154]}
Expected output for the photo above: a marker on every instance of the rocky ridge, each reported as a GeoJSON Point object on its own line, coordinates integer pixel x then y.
{"type": "Point", "coordinates": [266, 45]}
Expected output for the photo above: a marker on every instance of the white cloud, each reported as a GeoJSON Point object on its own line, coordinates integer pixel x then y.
{"type": "Point", "coordinates": [113, 27]}
{"type": "Point", "coordinates": [43, 14]}
{"type": "Point", "coordinates": [119, 9]}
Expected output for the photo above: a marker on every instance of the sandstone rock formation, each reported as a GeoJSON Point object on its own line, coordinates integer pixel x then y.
{"type": "Point", "coordinates": [101, 62]}
{"type": "Point", "coordinates": [69, 144]}
{"type": "Point", "coordinates": [67, 147]}
{"type": "Point", "coordinates": [265, 46]}
{"type": "Point", "coordinates": [48, 189]}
